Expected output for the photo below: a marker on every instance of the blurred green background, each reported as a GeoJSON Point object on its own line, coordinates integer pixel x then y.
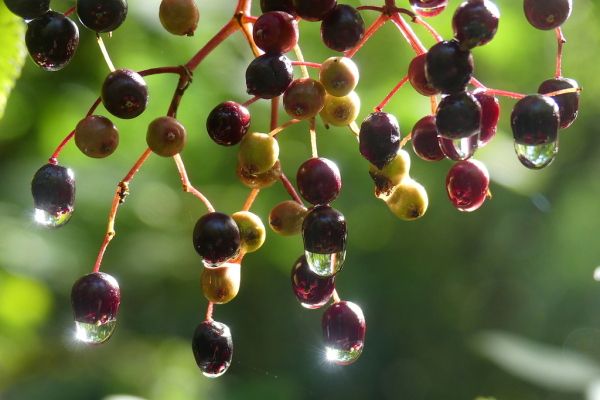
{"type": "Point", "coordinates": [501, 302]}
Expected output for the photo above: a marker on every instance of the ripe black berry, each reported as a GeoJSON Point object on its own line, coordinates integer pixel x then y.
{"type": "Point", "coordinates": [269, 75]}
{"type": "Point", "coordinates": [125, 93]}
{"type": "Point", "coordinates": [425, 141]}
{"type": "Point", "coordinates": [547, 14]}
{"type": "Point", "coordinates": [568, 103]}
{"type": "Point", "coordinates": [344, 329]}
{"type": "Point", "coordinates": [311, 290]}
{"type": "Point", "coordinates": [102, 15]}
{"type": "Point", "coordinates": [417, 77]}
{"type": "Point", "coordinates": [52, 40]}
{"type": "Point", "coordinates": [490, 115]}
{"type": "Point", "coordinates": [535, 120]}
{"type": "Point", "coordinates": [467, 184]}
{"type": "Point", "coordinates": [319, 180]}
{"type": "Point", "coordinates": [379, 138]}
{"type": "Point", "coordinates": [216, 238]}
{"type": "Point", "coordinates": [278, 5]}
{"type": "Point", "coordinates": [313, 10]}
{"type": "Point", "coordinates": [458, 116]}
{"type": "Point", "coordinates": [275, 32]}
{"type": "Point", "coordinates": [95, 299]}
{"type": "Point", "coordinates": [227, 123]}
{"type": "Point", "coordinates": [53, 191]}
{"type": "Point", "coordinates": [212, 347]}
{"type": "Point", "coordinates": [475, 23]}
{"type": "Point", "coordinates": [448, 68]}
{"type": "Point", "coordinates": [343, 28]}
{"type": "Point", "coordinates": [324, 232]}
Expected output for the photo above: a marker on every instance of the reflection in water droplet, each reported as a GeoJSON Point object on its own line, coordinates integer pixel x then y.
{"type": "Point", "coordinates": [536, 156]}
{"type": "Point", "coordinates": [52, 221]}
{"type": "Point", "coordinates": [459, 149]}
{"type": "Point", "coordinates": [343, 356]}
{"type": "Point", "coordinates": [94, 334]}
{"type": "Point", "coordinates": [325, 264]}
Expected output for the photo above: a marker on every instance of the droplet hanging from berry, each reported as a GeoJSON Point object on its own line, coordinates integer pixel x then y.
{"type": "Point", "coordinates": [344, 329]}
{"type": "Point", "coordinates": [324, 232]}
{"type": "Point", "coordinates": [53, 191]}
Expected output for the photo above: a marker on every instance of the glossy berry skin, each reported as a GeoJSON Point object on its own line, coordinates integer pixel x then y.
{"type": "Point", "coordinates": [269, 75]}
{"type": "Point", "coordinates": [535, 120]}
{"type": "Point", "coordinates": [95, 298]}
{"type": "Point", "coordinates": [304, 98]}
{"type": "Point", "coordinates": [259, 181]}
{"type": "Point", "coordinates": [467, 184]}
{"type": "Point", "coordinates": [27, 9]}
{"type": "Point", "coordinates": [166, 136]}
{"type": "Point", "coordinates": [344, 329]}
{"type": "Point", "coordinates": [547, 14]}
{"type": "Point", "coordinates": [216, 238]}
{"type": "Point", "coordinates": [568, 103]}
{"type": "Point", "coordinates": [379, 138]}
{"type": "Point", "coordinates": [461, 149]}
{"type": "Point", "coordinates": [286, 218]}
{"type": "Point", "coordinates": [428, 8]}
{"type": "Point", "coordinates": [179, 17]}
{"type": "Point", "coordinates": [102, 15]}
{"type": "Point", "coordinates": [408, 200]}
{"type": "Point", "coordinates": [340, 111]}
{"type": "Point", "coordinates": [212, 347]}
{"type": "Point", "coordinates": [475, 23]}
{"type": "Point", "coordinates": [425, 141]}
{"type": "Point", "coordinates": [490, 115]}
{"type": "Point", "coordinates": [311, 290]}
{"type": "Point", "coordinates": [125, 93]}
{"type": "Point", "coordinates": [458, 116]}
{"type": "Point", "coordinates": [258, 152]}
{"type": "Point", "coordinates": [417, 77]}
{"type": "Point", "coordinates": [53, 190]}
{"type": "Point", "coordinates": [96, 136]}
{"type": "Point", "coordinates": [52, 40]}
{"type": "Point", "coordinates": [275, 32]}
{"type": "Point", "coordinates": [319, 181]}
{"type": "Point", "coordinates": [221, 284]}
{"type": "Point", "coordinates": [278, 5]}
{"type": "Point", "coordinates": [227, 123]}
{"type": "Point", "coordinates": [313, 10]}
{"type": "Point", "coordinates": [252, 231]}
{"type": "Point", "coordinates": [448, 68]}
{"type": "Point", "coordinates": [343, 28]}
{"type": "Point", "coordinates": [390, 176]}
{"type": "Point", "coordinates": [324, 231]}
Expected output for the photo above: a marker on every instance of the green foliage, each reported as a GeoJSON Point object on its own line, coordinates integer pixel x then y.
{"type": "Point", "coordinates": [12, 52]}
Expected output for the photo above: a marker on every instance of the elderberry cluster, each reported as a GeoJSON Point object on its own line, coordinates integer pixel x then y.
{"type": "Point", "coordinates": [464, 118]}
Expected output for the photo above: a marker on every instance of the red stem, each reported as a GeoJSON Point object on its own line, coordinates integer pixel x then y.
{"type": "Point", "coordinates": [392, 93]}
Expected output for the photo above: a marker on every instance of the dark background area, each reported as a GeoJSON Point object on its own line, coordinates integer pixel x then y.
{"type": "Point", "coordinates": [501, 302]}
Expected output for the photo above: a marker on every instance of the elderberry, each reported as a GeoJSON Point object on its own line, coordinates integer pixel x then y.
{"type": "Point", "coordinates": [212, 347]}
{"type": "Point", "coordinates": [53, 191]}
{"type": "Point", "coordinates": [102, 15]}
{"type": "Point", "coordinates": [51, 40]}
{"type": "Point", "coordinates": [344, 329]}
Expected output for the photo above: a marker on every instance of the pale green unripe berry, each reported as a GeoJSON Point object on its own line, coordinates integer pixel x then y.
{"type": "Point", "coordinates": [252, 231]}
{"type": "Point", "coordinates": [408, 200]}
{"type": "Point", "coordinates": [258, 152]}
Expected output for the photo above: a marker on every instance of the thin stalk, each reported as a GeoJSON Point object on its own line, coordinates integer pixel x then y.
{"type": "Point", "coordinates": [187, 186]}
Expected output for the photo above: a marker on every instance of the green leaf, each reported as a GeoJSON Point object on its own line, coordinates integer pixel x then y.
{"type": "Point", "coordinates": [543, 365]}
{"type": "Point", "coordinates": [12, 52]}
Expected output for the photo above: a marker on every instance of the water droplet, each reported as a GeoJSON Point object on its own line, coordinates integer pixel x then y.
{"type": "Point", "coordinates": [343, 356]}
{"type": "Point", "coordinates": [325, 264]}
{"type": "Point", "coordinates": [52, 221]}
{"type": "Point", "coordinates": [459, 149]}
{"type": "Point", "coordinates": [536, 156]}
{"type": "Point", "coordinates": [94, 334]}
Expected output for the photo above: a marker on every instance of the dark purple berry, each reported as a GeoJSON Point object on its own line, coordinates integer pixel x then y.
{"type": "Point", "coordinates": [319, 180]}
{"type": "Point", "coordinates": [568, 103]}
{"type": "Point", "coordinates": [51, 40]}
{"type": "Point", "coordinates": [425, 141]}
{"type": "Point", "coordinates": [95, 299]}
{"type": "Point", "coordinates": [344, 329]}
{"type": "Point", "coordinates": [216, 238]}
{"type": "Point", "coordinates": [212, 347]}
{"type": "Point", "coordinates": [28, 9]}
{"type": "Point", "coordinates": [311, 290]}
{"type": "Point", "coordinates": [535, 120]}
{"type": "Point", "coordinates": [102, 15]}
{"type": "Point", "coordinates": [125, 93]}
{"type": "Point", "coordinates": [417, 78]}
{"type": "Point", "coordinates": [458, 116]}
{"type": "Point", "coordinates": [278, 5]}
{"type": "Point", "coordinates": [343, 28]}
{"type": "Point", "coordinates": [448, 68]}
{"type": "Point", "coordinates": [467, 184]}
{"type": "Point", "coordinates": [275, 32]}
{"type": "Point", "coordinates": [53, 191]}
{"type": "Point", "coordinates": [227, 123]}
{"type": "Point", "coordinates": [379, 138]}
{"type": "Point", "coordinates": [475, 23]}
{"type": "Point", "coordinates": [313, 10]}
{"type": "Point", "coordinates": [324, 231]}
{"type": "Point", "coordinates": [269, 75]}
{"type": "Point", "coordinates": [547, 14]}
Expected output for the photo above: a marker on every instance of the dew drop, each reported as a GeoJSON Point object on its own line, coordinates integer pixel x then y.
{"type": "Point", "coordinates": [536, 156]}
{"type": "Point", "coordinates": [325, 264]}
{"type": "Point", "coordinates": [94, 334]}
{"type": "Point", "coordinates": [459, 149]}
{"type": "Point", "coordinates": [52, 221]}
